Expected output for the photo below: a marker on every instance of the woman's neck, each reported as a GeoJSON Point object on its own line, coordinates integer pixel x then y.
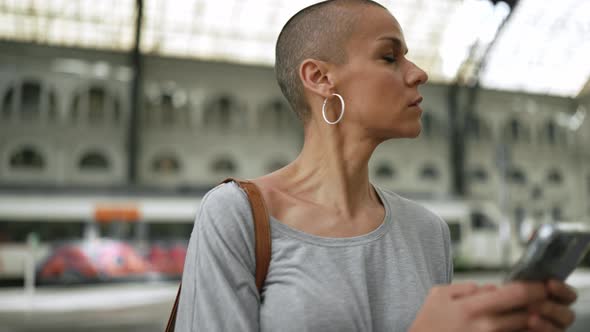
{"type": "Point", "coordinates": [332, 171]}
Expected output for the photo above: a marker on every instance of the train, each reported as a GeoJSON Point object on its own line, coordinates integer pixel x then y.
{"type": "Point", "coordinates": [34, 224]}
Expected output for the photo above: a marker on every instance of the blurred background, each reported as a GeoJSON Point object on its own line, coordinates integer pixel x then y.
{"type": "Point", "coordinates": [116, 116]}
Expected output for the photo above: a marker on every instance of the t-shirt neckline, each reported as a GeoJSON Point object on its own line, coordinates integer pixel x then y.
{"type": "Point", "coordinates": [338, 241]}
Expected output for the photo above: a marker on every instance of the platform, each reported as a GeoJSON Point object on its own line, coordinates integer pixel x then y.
{"type": "Point", "coordinates": [145, 307]}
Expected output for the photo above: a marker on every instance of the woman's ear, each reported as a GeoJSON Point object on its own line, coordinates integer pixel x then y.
{"type": "Point", "coordinates": [314, 75]}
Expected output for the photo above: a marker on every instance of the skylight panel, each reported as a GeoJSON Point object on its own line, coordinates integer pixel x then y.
{"type": "Point", "coordinates": [104, 24]}
{"type": "Point", "coordinates": [544, 49]}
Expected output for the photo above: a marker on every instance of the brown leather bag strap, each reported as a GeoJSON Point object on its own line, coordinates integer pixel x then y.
{"type": "Point", "coordinates": [261, 229]}
{"type": "Point", "coordinates": [262, 241]}
{"type": "Point", "coordinates": [172, 318]}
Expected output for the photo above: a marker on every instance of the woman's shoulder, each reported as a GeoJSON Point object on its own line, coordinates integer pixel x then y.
{"type": "Point", "coordinates": [414, 215]}
{"type": "Point", "coordinates": [222, 241]}
{"type": "Point", "coordinates": [408, 207]}
{"type": "Point", "coordinates": [225, 196]}
{"type": "Point", "coordinates": [225, 212]}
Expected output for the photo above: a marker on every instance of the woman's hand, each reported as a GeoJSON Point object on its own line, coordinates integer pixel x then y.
{"type": "Point", "coordinates": [468, 307]}
{"type": "Point", "coordinates": [555, 312]}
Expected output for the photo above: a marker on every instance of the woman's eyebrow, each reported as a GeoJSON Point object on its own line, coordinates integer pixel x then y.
{"type": "Point", "coordinates": [397, 43]}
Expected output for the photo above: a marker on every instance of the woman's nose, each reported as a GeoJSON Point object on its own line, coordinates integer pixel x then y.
{"type": "Point", "coordinates": [416, 76]}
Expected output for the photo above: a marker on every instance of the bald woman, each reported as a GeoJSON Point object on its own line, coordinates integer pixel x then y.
{"type": "Point", "coordinates": [347, 255]}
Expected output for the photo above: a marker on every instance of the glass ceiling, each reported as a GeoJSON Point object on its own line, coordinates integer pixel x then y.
{"type": "Point", "coordinates": [543, 47]}
{"type": "Point", "coordinates": [201, 28]}
{"type": "Point", "coordinates": [103, 24]}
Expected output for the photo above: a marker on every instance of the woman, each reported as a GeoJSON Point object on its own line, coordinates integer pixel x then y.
{"type": "Point", "coordinates": [347, 255]}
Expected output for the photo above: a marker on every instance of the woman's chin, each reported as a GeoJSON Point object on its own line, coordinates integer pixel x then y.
{"type": "Point", "coordinates": [416, 134]}
{"type": "Point", "coordinates": [405, 134]}
{"type": "Point", "coordinates": [411, 132]}
{"type": "Point", "coordinates": [407, 131]}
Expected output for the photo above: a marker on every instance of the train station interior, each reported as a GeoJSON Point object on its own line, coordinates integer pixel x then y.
{"type": "Point", "coordinates": [118, 116]}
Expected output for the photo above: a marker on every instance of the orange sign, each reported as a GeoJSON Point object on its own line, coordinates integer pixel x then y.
{"type": "Point", "coordinates": [108, 213]}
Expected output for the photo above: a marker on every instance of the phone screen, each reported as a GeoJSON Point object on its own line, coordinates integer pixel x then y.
{"type": "Point", "coordinates": [553, 253]}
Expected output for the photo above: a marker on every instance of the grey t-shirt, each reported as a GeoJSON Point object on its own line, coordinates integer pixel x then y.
{"type": "Point", "coordinates": [373, 282]}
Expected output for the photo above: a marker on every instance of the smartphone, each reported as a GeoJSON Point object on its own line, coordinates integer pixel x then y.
{"type": "Point", "coordinates": [553, 252]}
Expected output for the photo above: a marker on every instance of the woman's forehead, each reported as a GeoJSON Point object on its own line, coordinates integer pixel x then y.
{"type": "Point", "coordinates": [374, 25]}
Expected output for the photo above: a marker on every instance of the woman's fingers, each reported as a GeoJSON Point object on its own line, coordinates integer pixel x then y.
{"type": "Point", "coordinates": [508, 297]}
{"type": "Point", "coordinates": [460, 290]}
{"type": "Point", "coordinates": [514, 321]}
{"type": "Point", "coordinates": [537, 324]}
{"type": "Point", "coordinates": [561, 292]}
{"type": "Point", "coordinates": [511, 307]}
{"type": "Point", "coordinates": [487, 288]}
{"type": "Point", "coordinates": [559, 314]}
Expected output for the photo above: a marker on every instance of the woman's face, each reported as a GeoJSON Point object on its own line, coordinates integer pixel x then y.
{"type": "Point", "coordinates": [378, 83]}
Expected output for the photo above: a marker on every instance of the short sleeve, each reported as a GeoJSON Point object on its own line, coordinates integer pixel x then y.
{"type": "Point", "coordinates": [218, 285]}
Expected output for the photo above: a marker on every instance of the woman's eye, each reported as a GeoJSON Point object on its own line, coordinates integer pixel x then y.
{"type": "Point", "coordinates": [389, 58]}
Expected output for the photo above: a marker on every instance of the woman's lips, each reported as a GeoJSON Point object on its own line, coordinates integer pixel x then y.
{"type": "Point", "coordinates": [416, 102]}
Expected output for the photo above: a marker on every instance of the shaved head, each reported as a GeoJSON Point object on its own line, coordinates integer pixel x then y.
{"type": "Point", "coordinates": [319, 32]}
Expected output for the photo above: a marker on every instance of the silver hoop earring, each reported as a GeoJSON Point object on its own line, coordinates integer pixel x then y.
{"type": "Point", "coordinates": [341, 109]}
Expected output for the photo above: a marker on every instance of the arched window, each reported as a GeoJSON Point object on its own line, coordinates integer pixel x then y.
{"type": "Point", "coordinates": [52, 105]}
{"type": "Point", "coordinates": [429, 172]}
{"type": "Point", "coordinates": [222, 112]}
{"type": "Point", "coordinates": [76, 108]}
{"type": "Point", "coordinates": [384, 171]}
{"type": "Point", "coordinates": [8, 102]}
{"type": "Point", "coordinates": [224, 165]}
{"type": "Point", "coordinates": [27, 157]}
{"type": "Point", "coordinates": [275, 165]}
{"type": "Point", "coordinates": [165, 164]}
{"type": "Point", "coordinates": [97, 102]}
{"type": "Point", "coordinates": [472, 127]}
{"type": "Point", "coordinates": [166, 104]}
{"type": "Point", "coordinates": [555, 177]}
{"type": "Point", "coordinates": [173, 103]}
{"type": "Point", "coordinates": [30, 101]}
{"type": "Point", "coordinates": [552, 134]}
{"type": "Point", "coordinates": [516, 176]}
{"type": "Point", "coordinates": [476, 128]}
{"type": "Point", "coordinates": [94, 161]}
{"type": "Point", "coordinates": [479, 174]}
{"type": "Point", "coordinates": [167, 108]}
{"type": "Point", "coordinates": [515, 131]}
